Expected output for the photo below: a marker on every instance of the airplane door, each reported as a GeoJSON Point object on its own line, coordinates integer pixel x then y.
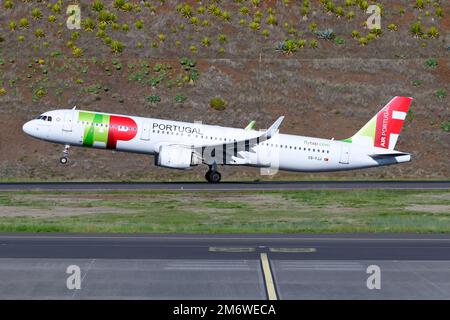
{"type": "Point", "coordinates": [68, 120]}
{"type": "Point", "coordinates": [345, 153]}
{"type": "Point", "coordinates": [145, 134]}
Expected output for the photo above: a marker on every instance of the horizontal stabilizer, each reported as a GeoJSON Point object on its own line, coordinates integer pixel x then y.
{"type": "Point", "coordinates": [388, 155]}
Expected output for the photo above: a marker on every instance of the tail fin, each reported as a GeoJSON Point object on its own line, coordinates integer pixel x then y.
{"type": "Point", "coordinates": [383, 129]}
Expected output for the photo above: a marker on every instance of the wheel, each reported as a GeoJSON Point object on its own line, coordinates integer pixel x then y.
{"type": "Point", "coordinates": [208, 175]}
{"type": "Point", "coordinates": [214, 177]}
{"type": "Point", "coordinates": [63, 160]}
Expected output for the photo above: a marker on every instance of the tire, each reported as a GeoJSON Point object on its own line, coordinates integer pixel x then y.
{"type": "Point", "coordinates": [208, 176]}
{"type": "Point", "coordinates": [63, 160]}
{"type": "Point", "coordinates": [214, 177]}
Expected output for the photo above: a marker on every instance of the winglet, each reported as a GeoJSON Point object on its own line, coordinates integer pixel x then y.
{"type": "Point", "coordinates": [250, 126]}
{"type": "Point", "coordinates": [74, 107]}
{"type": "Point", "coordinates": [274, 128]}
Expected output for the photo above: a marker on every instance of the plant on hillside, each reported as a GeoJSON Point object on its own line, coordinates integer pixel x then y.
{"type": "Point", "coordinates": [23, 23]}
{"type": "Point", "coordinates": [39, 33]}
{"type": "Point", "coordinates": [441, 94]}
{"type": "Point", "coordinates": [8, 4]}
{"type": "Point", "coordinates": [88, 24]}
{"type": "Point", "coordinates": [392, 27]}
{"type": "Point", "coordinates": [180, 98]}
{"type": "Point", "coordinates": [416, 29]}
{"type": "Point", "coordinates": [355, 34]}
{"type": "Point", "coordinates": [97, 5]}
{"type": "Point", "coordinates": [433, 32]}
{"type": "Point", "coordinates": [445, 126]}
{"type": "Point", "coordinates": [432, 63]}
{"type": "Point", "coordinates": [36, 13]}
{"type": "Point", "coordinates": [12, 25]}
{"type": "Point", "coordinates": [217, 104]}
{"type": "Point", "coordinates": [116, 46]}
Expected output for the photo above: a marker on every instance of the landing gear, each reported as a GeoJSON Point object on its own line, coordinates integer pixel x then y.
{"type": "Point", "coordinates": [212, 175]}
{"type": "Point", "coordinates": [64, 159]}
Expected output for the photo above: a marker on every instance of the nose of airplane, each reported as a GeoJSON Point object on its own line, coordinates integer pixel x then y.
{"type": "Point", "coordinates": [27, 127]}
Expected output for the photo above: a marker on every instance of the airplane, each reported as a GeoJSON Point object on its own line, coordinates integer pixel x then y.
{"type": "Point", "coordinates": [183, 145]}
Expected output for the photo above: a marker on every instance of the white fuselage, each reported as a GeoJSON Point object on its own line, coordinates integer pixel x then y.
{"type": "Point", "coordinates": [147, 135]}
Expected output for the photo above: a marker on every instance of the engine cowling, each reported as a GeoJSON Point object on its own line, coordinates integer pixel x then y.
{"type": "Point", "coordinates": [174, 157]}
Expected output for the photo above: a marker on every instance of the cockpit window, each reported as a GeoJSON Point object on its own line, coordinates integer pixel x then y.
{"type": "Point", "coordinates": [49, 118]}
{"type": "Point", "coordinates": [44, 118]}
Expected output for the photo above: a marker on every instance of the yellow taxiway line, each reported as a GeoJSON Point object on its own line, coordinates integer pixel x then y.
{"type": "Point", "coordinates": [270, 285]}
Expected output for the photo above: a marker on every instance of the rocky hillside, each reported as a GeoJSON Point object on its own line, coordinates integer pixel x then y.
{"type": "Point", "coordinates": [316, 62]}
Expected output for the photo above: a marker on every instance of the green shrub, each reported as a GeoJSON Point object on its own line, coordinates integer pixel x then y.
{"type": "Point", "coordinates": [106, 16]}
{"type": "Point", "coordinates": [36, 13]}
{"type": "Point", "coordinates": [77, 52]}
{"type": "Point", "coordinates": [416, 29]}
{"type": "Point", "coordinates": [254, 25]}
{"type": "Point", "coordinates": [339, 41]}
{"type": "Point", "coordinates": [355, 34]}
{"type": "Point", "coordinates": [433, 32]}
{"type": "Point", "coordinates": [8, 4]}
{"type": "Point", "coordinates": [217, 104]}
{"type": "Point", "coordinates": [441, 94]}
{"type": "Point", "coordinates": [272, 20]}
{"type": "Point", "coordinates": [56, 8]}
{"type": "Point", "coordinates": [39, 33]}
{"type": "Point", "coordinates": [88, 24]}
{"type": "Point", "coordinates": [244, 10]}
{"type": "Point", "coordinates": [446, 126]}
{"type": "Point", "coordinates": [116, 46]}
{"type": "Point", "coordinates": [139, 24]}
{"type": "Point", "coordinates": [12, 25]}
{"type": "Point", "coordinates": [180, 98]}
{"type": "Point", "coordinates": [97, 6]}
{"type": "Point", "coordinates": [24, 23]}
{"type": "Point", "coordinates": [153, 99]}
{"type": "Point", "coordinates": [363, 5]}
{"type": "Point", "coordinates": [419, 4]}
{"type": "Point", "coordinates": [206, 42]}
{"type": "Point", "coordinates": [339, 12]}
{"type": "Point", "coordinates": [432, 63]}
{"type": "Point", "coordinates": [392, 27]}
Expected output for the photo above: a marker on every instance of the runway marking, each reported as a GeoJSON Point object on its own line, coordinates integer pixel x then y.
{"type": "Point", "coordinates": [84, 277]}
{"type": "Point", "coordinates": [270, 285]}
{"type": "Point", "coordinates": [231, 249]}
{"type": "Point", "coordinates": [293, 250]}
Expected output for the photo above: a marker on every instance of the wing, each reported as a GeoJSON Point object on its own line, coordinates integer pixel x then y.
{"type": "Point", "coordinates": [234, 149]}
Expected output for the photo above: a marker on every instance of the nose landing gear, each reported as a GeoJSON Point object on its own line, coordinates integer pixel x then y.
{"type": "Point", "coordinates": [212, 175]}
{"type": "Point", "coordinates": [64, 159]}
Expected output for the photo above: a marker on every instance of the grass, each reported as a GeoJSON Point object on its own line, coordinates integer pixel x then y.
{"type": "Point", "coordinates": [229, 212]}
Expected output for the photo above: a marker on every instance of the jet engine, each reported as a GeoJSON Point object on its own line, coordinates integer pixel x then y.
{"type": "Point", "coordinates": [174, 157]}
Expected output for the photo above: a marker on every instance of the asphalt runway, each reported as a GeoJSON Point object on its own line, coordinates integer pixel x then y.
{"type": "Point", "coordinates": [228, 186]}
{"type": "Point", "coordinates": [156, 266]}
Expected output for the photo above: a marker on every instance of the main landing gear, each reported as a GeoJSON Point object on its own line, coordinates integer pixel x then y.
{"type": "Point", "coordinates": [212, 175]}
{"type": "Point", "coordinates": [64, 159]}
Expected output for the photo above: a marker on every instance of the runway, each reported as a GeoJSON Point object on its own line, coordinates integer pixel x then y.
{"type": "Point", "coordinates": [291, 266]}
{"type": "Point", "coordinates": [228, 186]}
